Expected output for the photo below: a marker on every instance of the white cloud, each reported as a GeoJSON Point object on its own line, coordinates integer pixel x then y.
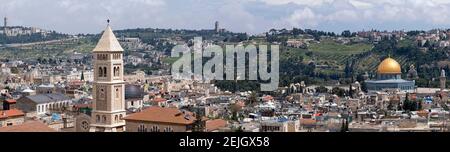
{"type": "Point", "coordinates": [298, 2]}
{"type": "Point", "coordinates": [360, 4]}
{"type": "Point", "coordinates": [75, 16]}
{"type": "Point", "coordinates": [304, 18]}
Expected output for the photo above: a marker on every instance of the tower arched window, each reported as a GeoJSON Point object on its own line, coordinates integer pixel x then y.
{"type": "Point", "coordinates": [116, 118]}
{"type": "Point", "coordinates": [104, 71]}
{"type": "Point", "coordinates": [114, 71]}
{"type": "Point", "coordinates": [104, 119]}
{"type": "Point", "coordinates": [100, 72]}
{"type": "Point", "coordinates": [98, 118]}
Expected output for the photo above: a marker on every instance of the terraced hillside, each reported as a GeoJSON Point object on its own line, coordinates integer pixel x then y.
{"type": "Point", "coordinates": [53, 49]}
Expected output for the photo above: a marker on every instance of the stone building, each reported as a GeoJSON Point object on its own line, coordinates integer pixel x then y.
{"type": "Point", "coordinates": [43, 103]}
{"type": "Point", "coordinates": [108, 86]}
{"type": "Point", "coordinates": [157, 119]}
{"type": "Point", "coordinates": [11, 117]}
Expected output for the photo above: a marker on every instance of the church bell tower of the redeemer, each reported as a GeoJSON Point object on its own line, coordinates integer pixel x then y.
{"type": "Point", "coordinates": [108, 87]}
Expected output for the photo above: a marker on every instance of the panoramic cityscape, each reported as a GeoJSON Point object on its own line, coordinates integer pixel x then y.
{"type": "Point", "coordinates": [361, 79]}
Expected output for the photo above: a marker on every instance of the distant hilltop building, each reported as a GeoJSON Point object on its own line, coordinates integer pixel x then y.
{"type": "Point", "coordinates": [19, 30]}
{"type": "Point", "coordinates": [389, 78]}
{"type": "Point", "coordinates": [217, 28]}
{"type": "Point", "coordinates": [5, 21]}
{"type": "Point", "coordinates": [412, 73]}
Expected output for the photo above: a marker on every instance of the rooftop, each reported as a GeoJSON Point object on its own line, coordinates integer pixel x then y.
{"type": "Point", "coordinates": [215, 124]}
{"type": "Point", "coordinates": [10, 113]}
{"type": "Point", "coordinates": [108, 42]}
{"type": "Point", "coordinates": [163, 115]}
{"type": "Point", "coordinates": [30, 126]}
{"type": "Point", "coordinates": [47, 98]}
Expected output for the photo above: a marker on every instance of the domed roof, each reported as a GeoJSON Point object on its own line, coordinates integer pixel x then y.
{"type": "Point", "coordinates": [133, 91]}
{"type": "Point", "coordinates": [389, 66]}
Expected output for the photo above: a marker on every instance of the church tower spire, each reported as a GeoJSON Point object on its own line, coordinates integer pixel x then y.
{"type": "Point", "coordinates": [108, 87]}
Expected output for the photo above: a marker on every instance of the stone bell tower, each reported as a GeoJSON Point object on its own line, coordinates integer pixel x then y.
{"type": "Point", "coordinates": [108, 87]}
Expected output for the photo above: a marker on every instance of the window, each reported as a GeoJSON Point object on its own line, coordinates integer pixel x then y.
{"type": "Point", "coordinates": [132, 103]}
{"type": "Point", "coordinates": [102, 94]}
{"type": "Point", "coordinates": [141, 128]}
{"type": "Point", "coordinates": [100, 72]}
{"type": "Point", "coordinates": [154, 129]}
{"type": "Point", "coordinates": [120, 116]}
{"type": "Point", "coordinates": [85, 125]}
{"type": "Point", "coordinates": [9, 124]}
{"type": "Point", "coordinates": [116, 118]}
{"type": "Point", "coordinates": [168, 129]}
{"type": "Point", "coordinates": [104, 119]}
{"type": "Point", "coordinates": [104, 71]}
{"type": "Point", "coordinates": [98, 118]}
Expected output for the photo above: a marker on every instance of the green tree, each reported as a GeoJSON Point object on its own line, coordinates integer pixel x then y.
{"type": "Point", "coordinates": [199, 124]}
{"type": "Point", "coordinates": [321, 89]}
{"type": "Point", "coordinates": [338, 91]}
{"type": "Point", "coordinates": [253, 98]}
{"type": "Point", "coordinates": [82, 76]}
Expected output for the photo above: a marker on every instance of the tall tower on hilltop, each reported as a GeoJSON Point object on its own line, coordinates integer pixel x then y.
{"type": "Point", "coordinates": [442, 80]}
{"type": "Point", "coordinates": [108, 87]}
{"type": "Point", "coordinates": [5, 22]}
{"type": "Point", "coordinates": [216, 27]}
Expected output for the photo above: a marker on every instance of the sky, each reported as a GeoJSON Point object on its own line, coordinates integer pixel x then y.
{"type": "Point", "coordinates": [250, 16]}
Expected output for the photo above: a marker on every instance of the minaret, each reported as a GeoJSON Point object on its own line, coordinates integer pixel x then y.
{"type": "Point", "coordinates": [108, 87]}
{"type": "Point", "coordinates": [442, 80]}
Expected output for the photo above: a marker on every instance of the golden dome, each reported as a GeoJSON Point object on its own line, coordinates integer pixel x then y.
{"type": "Point", "coordinates": [389, 66]}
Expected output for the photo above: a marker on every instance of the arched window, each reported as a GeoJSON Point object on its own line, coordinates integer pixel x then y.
{"type": "Point", "coordinates": [100, 72]}
{"type": "Point", "coordinates": [104, 71]}
{"type": "Point", "coordinates": [154, 129]}
{"type": "Point", "coordinates": [118, 71]}
{"type": "Point", "coordinates": [114, 69]}
{"type": "Point", "coordinates": [116, 118]}
{"type": "Point", "coordinates": [98, 118]}
{"type": "Point", "coordinates": [104, 119]}
{"type": "Point", "coordinates": [141, 128]}
{"type": "Point", "coordinates": [168, 129]}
